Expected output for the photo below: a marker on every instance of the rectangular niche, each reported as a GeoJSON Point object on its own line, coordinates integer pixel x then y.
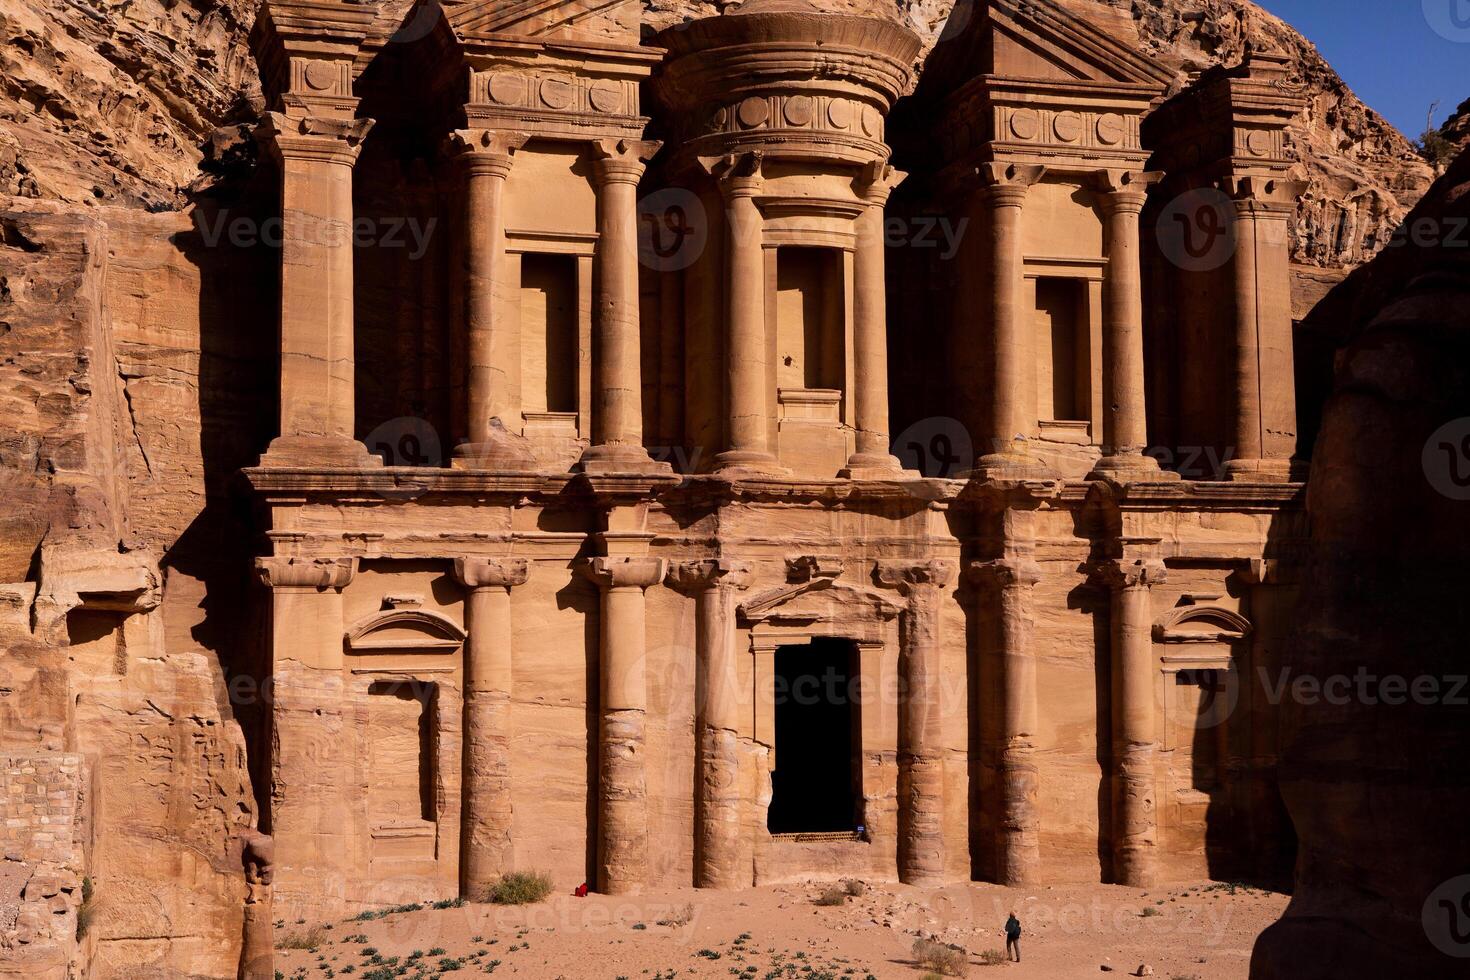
{"type": "Point", "coordinates": [401, 748]}
{"type": "Point", "coordinates": [548, 304]}
{"type": "Point", "coordinates": [810, 319]}
{"type": "Point", "coordinates": [1063, 350]}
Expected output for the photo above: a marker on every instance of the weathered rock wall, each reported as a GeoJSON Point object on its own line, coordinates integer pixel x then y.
{"type": "Point", "coordinates": [1375, 775]}
{"type": "Point", "coordinates": [110, 656]}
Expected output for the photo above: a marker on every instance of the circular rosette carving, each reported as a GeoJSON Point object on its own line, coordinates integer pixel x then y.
{"type": "Point", "coordinates": [798, 110]}
{"type": "Point", "coordinates": [606, 96]}
{"type": "Point", "coordinates": [839, 114]}
{"type": "Point", "coordinates": [1258, 142]}
{"type": "Point", "coordinates": [507, 89]}
{"type": "Point", "coordinates": [1067, 126]}
{"type": "Point", "coordinates": [319, 76]}
{"type": "Point", "coordinates": [1025, 124]}
{"type": "Point", "coordinates": [1110, 129]}
{"type": "Point", "coordinates": [872, 122]}
{"type": "Point", "coordinates": [557, 92]}
{"type": "Point", "coordinates": [753, 112]}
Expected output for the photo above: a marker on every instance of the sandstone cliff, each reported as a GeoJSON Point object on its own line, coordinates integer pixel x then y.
{"type": "Point", "coordinates": [1375, 775]}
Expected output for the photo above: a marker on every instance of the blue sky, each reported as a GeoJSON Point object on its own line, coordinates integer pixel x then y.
{"type": "Point", "coordinates": [1397, 55]}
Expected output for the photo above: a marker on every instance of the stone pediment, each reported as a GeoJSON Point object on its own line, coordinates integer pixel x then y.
{"type": "Point", "coordinates": [405, 631]}
{"type": "Point", "coordinates": [607, 21]}
{"type": "Point", "coordinates": [819, 601]}
{"type": "Point", "coordinates": [1041, 40]}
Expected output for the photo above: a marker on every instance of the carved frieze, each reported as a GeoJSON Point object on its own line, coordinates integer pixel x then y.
{"type": "Point", "coordinates": [818, 113]}
{"type": "Point", "coordinates": [1068, 128]}
{"type": "Point", "coordinates": [554, 92]}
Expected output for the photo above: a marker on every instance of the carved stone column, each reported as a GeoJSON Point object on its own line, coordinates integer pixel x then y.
{"type": "Point", "coordinates": [920, 760]}
{"type": "Point", "coordinates": [617, 406]}
{"type": "Point", "coordinates": [1135, 809]}
{"type": "Point", "coordinates": [1125, 420]}
{"type": "Point", "coordinates": [1012, 416]}
{"type": "Point", "coordinates": [485, 842]}
{"type": "Point", "coordinates": [493, 349]}
{"type": "Point", "coordinates": [622, 805]}
{"type": "Point", "coordinates": [714, 583]}
{"type": "Point", "coordinates": [317, 400]}
{"type": "Point", "coordinates": [258, 946]}
{"type": "Point", "coordinates": [872, 458]}
{"type": "Point", "coordinates": [747, 425]}
{"type": "Point", "coordinates": [311, 765]}
{"type": "Point", "coordinates": [1264, 371]}
{"type": "Point", "coordinates": [1018, 843]}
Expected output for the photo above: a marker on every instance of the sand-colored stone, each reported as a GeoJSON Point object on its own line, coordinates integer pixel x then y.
{"type": "Point", "coordinates": [487, 599]}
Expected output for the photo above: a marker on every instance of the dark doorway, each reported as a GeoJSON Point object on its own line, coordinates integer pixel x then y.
{"type": "Point", "coordinates": [814, 787]}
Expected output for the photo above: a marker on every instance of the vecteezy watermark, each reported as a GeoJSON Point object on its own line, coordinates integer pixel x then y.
{"type": "Point", "coordinates": [1193, 462]}
{"type": "Point", "coordinates": [1450, 19]}
{"type": "Point", "coordinates": [673, 230]}
{"type": "Point", "coordinates": [1446, 917]}
{"type": "Point", "coordinates": [1366, 688]}
{"type": "Point", "coordinates": [938, 446]}
{"type": "Point", "coordinates": [927, 231]}
{"type": "Point", "coordinates": [299, 228]}
{"type": "Point", "coordinates": [1446, 459]}
{"type": "Point", "coordinates": [1196, 230]}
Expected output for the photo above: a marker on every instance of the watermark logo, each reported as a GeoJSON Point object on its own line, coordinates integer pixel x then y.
{"type": "Point", "coordinates": [673, 230]}
{"type": "Point", "coordinates": [406, 441]}
{"type": "Point", "coordinates": [1446, 459]}
{"type": "Point", "coordinates": [1196, 230]}
{"type": "Point", "coordinates": [1446, 917]}
{"type": "Point", "coordinates": [937, 447]}
{"type": "Point", "coordinates": [1450, 19]}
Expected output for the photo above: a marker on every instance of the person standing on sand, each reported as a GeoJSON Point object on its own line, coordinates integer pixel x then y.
{"type": "Point", "coordinates": [1013, 937]}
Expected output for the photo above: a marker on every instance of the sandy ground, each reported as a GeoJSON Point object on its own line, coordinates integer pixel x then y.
{"type": "Point", "coordinates": [1196, 932]}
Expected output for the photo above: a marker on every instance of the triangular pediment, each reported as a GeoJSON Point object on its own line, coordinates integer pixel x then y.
{"type": "Point", "coordinates": [614, 21]}
{"type": "Point", "coordinates": [1040, 40]}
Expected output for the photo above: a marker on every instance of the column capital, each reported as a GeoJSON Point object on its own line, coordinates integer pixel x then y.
{"type": "Point", "coordinates": [1004, 185]}
{"type": "Point", "coordinates": [877, 181]}
{"type": "Point", "coordinates": [710, 573]}
{"type": "Point", "coordinates": [1005, 573]}
{"type": "Point", "coordinates": [625, 573]}
{"type": "Point", "coordinates": [319, 574]}
{"type": "Point", "coordinates": [739, 174]}
{"type": "Point", "coordinates": [491, 573]}
{"type": "Point", "coordinates": [1125, 191]}
{"type": "Point", "coordinates": [485, 151]}
{"type": "Point", "coordinates": [621, 161]}
{"type": "Point", "coordinates": [907, 576]}
{"type": "Point", "coordinates": [1255, 194]}
{"type": "Point", "coordinates": [327, 139]}
{"type": "Point", "coordinates": [1124, 573]}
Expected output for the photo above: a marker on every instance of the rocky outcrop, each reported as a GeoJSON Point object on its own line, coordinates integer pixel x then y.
{"type": "Point", "coordinates": [1374, 768]}
{"type": "Point", "coordinates": [115, 709]}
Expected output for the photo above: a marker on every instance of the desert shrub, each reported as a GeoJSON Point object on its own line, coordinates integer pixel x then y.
{"type": "Point", "coordinates": [87, 911]}
{"type": "Point", "coordinates": [946, 960]}
{"type": "Point", "coordinates": [854, 887]}
{"type": "Point", "coordinates": [1149, 912]}
{"type": "Point", "coordinates": [992, 957]}
{"type": "Point", "coordinates": [832, 895]}
{"type": "Point", "coordinates": [304, 939]}
{"type": "Point", "coordinates": [521, 888]}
